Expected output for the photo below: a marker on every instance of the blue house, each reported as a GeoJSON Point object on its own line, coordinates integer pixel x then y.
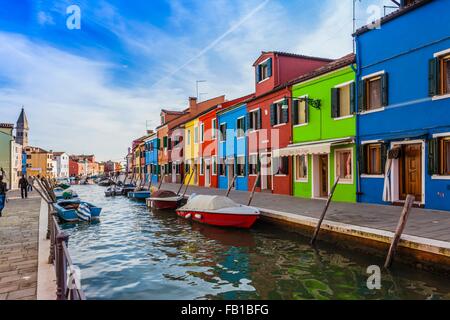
{"type": "Point", "coordinates": [151, 159]}
{"type": "Point", "coordinates": [232, 148]}
{"type": "Point", "coordinates": [403, 95]}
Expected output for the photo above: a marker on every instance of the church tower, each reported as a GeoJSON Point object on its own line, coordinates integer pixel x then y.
{"type": "Point", "coordinates": [22, 129]}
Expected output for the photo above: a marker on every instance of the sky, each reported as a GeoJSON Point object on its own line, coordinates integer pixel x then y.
{"type": "Point", "coordinates": [93, 90]}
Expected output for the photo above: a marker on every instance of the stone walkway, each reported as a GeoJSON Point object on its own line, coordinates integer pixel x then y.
{"type": "Point", "coordinates": [423, 223]}
{"type": "Point", "coordinates": [19, 229]}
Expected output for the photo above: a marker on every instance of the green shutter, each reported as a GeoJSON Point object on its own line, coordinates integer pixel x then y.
{"type": "Point", "coordinates": [362, 96]}
{"type": "Point", "coordinates": [433, 77]}
{"type": "Point", "coordinates": [273, 114]}
{"type": "Point", "coordinates": [335, 103]}
{"type": "Point", "coordinates": [433, 156]}
{"type": "Point", "coordinates": [385, 90]}
{"type": "Point", "coordinates": [295, 112]}
{"type": "Point", "coordinates": [158, 143]}
{"type": "Point", "coordinates": [165, 142]}
{"type": "Point", "coordinates": [258, 74]}
{"type": "Point", "coordinates": [269, 67]}
{"type": "Point", "coordinates": [362, 159]}
{"type": "Point", "coordinates": [352, 98]}
{"type": "Point", "coordinates": [307, 110]}
{"type": "Point", "coordinates": [285, 112]}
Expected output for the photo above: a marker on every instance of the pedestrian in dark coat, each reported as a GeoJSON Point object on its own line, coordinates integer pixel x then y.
{"type": "Point", "coordinates": [23, 184]}
{"type": "Point", "coordinates": [3, 189]}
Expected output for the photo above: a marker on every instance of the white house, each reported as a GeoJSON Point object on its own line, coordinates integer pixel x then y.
{"type": "Point", "coordinates": [61, 161]}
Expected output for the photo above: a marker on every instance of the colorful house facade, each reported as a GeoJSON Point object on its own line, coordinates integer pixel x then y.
{"type": "Point", "coordinates": [208, 149]}
{"type": "Point", "coordinates": [269, 122]}
{"type": "Point", "coordinates": [151, 158]}
{"type": "Point", "coordinates": [324, 130]}
{"type": "Point", "coordinates": [403, 99]}
{"type": "Point", "coordinates": [191, 151]}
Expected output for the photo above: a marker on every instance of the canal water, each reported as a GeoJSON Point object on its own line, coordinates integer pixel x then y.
{"type": "Point", "coordinates": [133, 253]}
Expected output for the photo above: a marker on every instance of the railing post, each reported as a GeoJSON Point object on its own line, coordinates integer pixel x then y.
{"type": "Point", "coordinates": [51, 257]}
{"type": "Point", "coordinates": [61, 267]}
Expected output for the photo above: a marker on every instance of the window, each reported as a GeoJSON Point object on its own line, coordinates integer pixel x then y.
{"type": "Point", "coordinates": [214, 128]}
{"type": "Point", "coordinates": [279, 113]}
{"type": "Point", "coordinates": [253, 164]}
{"type": "Point", "coordinates": [214, 166]}
{"type": "Point", "coordinates": [196, 135]}
{"type": "Point", "coordinates": [342, 103]}
{"type": "Point", "coordinates": [165, 143]}
{"type": "Point", "coordinates": [187, 167]}
{"type": "Point", "coordinates": [373, 159]}
{"type": "Point", "coordinates": [445, 156]}
{"type": "Point", "coordinates": [301, 167]}
{"type": "Point", "coordinates": [240, 127]}
{"type": "Point", "coordinates": [163, 121]}
{"type": "Point", "coordinates": [280, 165]}
{"type": "Point", "coordinates": [223, 132]}
{"type": "Point", "coordinates": [222, 168]}
{"type": "Point", "coordinates": [344, 165]}
{"type": "Point", "coordinates": [202, 166]}
{"type": "Point", "coordinates": [189, 137]}
{"type": "Point", "coordinates": [202, 132]}
{"type": "Point", "coordinates": [264, 70]}
{"type": "Point", "coordinates": [254, 120]}
{"type": "Point", "coordinates": [301, 111]}
{"type": "Point", "coordinates": [240, 166]}
{"type": "Point", "coordinates": [178, 168]}
{"type": "Point", "coordinates": [373, 93]}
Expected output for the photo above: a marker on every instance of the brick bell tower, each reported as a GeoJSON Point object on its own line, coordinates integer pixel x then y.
{"type": "Point", "coordinates": [22, 129]}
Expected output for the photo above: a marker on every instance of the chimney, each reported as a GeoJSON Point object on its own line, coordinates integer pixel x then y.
{"type": "Point", "coordinates": [150, 132]}
{"type": "Point", "coordinates": [192, 104]}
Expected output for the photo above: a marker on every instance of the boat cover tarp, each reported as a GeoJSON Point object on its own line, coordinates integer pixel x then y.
{"type": "Point", "coordinates": [209, 203]}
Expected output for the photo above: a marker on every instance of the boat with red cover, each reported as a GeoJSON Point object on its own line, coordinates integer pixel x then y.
{"type": "Point", "coordinates": [219, 211]}
{"type": "Point", "coordinates": [165, 200]}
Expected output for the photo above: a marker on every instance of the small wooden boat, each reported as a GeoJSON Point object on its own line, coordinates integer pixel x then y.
{"type": "Point", "coordinates": [63, 186]}
{"type": "Point", "coordinates": [218, 211]}
{"type": "Point", "coordinates": [75, 210]}
{"type": "Point", "coordinates": [165, 200]}
{"type": "Point", "coordinates": [67, 194]}
{"type": "Point", "coordinates": [105, 182]}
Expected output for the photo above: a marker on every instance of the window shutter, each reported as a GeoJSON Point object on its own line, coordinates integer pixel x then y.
{"type": "Point", "coordinates": [295, 112]}
{"type": "Point", "coordinates": [258, 171]}
{"type": "Point", "coordinates": [352, 98]}
{"type": "Point", "coordinates": [362, 96]}
{"type": "Point", "coordinates": [259, 122]}
{"type": "Point", "coordinates": [273, 114]}
{"type": "Point", "coordinates": [158, 144]}
{"type": "Point", "coordinates": [362, 159]}
{"type": "Point", "coordinates": [335, 103]}
{"type": "Point", "coordinates": [307, 110]}
{"type": "Point", "coordinates": [385, 90]}
{"type": "Point", "coordinates": [285, 112]}
{"type": "Point", "coordinates": [384, 155]}
{"type": "Point", "coordinates": [249, 121]}
{"type": "Point", "coordinates": [433, 77]}
{"type": "Point", "coordinates": [258, 74]}
{"type": "Point", "coordinates": [433, 156]}
{"type": "Point", "coordinates": [169, 143]}
{"type": "Point", "coordinates": [165, 142]}
{"type": "Point", "coordinates": [269, 67]}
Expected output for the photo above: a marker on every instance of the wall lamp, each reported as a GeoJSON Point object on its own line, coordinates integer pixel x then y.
{"type": "Point", "coordinates": [315, 103]}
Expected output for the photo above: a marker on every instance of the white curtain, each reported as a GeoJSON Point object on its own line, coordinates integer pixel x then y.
{"type": "Point", "coordinates": [387, 194]}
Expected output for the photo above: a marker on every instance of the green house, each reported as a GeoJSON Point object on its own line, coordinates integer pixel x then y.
{"type": "Point", "coordinates": [324, 130]}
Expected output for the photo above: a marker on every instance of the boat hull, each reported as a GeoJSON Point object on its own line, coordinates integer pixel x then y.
{"type": "Point", "coordinates": [164, 205]}
{"type": "Point", "coordinates": [228, 220]}
{"type": "Point", "coordinates": [140, 195]}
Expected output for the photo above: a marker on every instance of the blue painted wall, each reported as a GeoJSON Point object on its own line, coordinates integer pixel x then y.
{"type": "Point", "coordinates": [402, 48]}
{"type": "Point", "coordinates": [233, 146]}
{"type": "Point", "coordinates": [151, 157]}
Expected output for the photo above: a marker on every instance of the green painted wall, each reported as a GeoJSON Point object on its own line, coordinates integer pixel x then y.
{"type": "Point", "coordinates": [5, 152]}
{"type": "Point", "coordinates": [322, 126]}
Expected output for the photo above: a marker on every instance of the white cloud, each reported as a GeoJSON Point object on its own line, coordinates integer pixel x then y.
{"type": "Point", "coordinates": [44, 18]}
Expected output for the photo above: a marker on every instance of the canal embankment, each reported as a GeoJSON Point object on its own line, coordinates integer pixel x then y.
{"type": "Point", "coordinates": [364, 227]}
{"type": "Point", "coordinates": [19, 227]}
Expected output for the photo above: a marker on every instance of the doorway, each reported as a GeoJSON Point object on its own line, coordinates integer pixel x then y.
{"type": "Point", "coordinates": [207, 172]}
{"type": "Point", "coordinates": [230, 170]}
{"type": "Point", "coordinates": [266, 171]}
{"type": "Point", "coordinates": [410, 171]}
{"type": "Point", "coordinates": [323, 176]}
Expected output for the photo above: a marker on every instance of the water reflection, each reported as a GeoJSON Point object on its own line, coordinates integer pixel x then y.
{"type": "Point", "coordinates": [136, 254]}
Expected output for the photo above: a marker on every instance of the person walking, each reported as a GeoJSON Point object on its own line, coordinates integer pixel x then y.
{"type": "Point", "coordinates": [23, 184]}
{"type": "Point", "coordinates": [3, 189]}
{"type": "Point", "coordinates": [30, 184]}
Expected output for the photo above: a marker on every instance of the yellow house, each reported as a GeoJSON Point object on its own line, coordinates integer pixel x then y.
{"type": "Point", "coordinates": [39, 162]}
{"type": "Point", "coordinates": [192, 148]}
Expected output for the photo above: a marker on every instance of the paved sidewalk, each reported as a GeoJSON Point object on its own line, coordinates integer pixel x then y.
{"type": "Point", "coordinates": [19, 247]}
{"type": "Point", "coordinates": [423, 223]}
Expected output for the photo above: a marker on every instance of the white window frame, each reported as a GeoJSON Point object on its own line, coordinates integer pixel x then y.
{"type": "Point", "coordinates": [237, 129]}
{"type": "Point", "coordinates": [256, 154]}
{"type": "Point", "coordinates": [202, 132]}
{"type": "Point", "coordinates": [267, 78]}
{"type": "Point", "coordinates": [202, 166]}
{"type": "Point", "coordinates": [237, 163]}
{"type": "Point", "coordinates": [302, 180]}
{"type": "Point", "coordinates": [251, 112]}
{"type": "Point", "coordinates": [189, 137]}
{"type": "Point", "coordinates": [196, 134]}
{"type": "Point", "coordinates": [344, 181]}
{"type": "Point", "coordinates": [306, 96]}
{"type": "Point", "coordinates": [220, 132]}
{"type": "Point", "coordinates": [213, 126]}
{"type": "Point", "coordinates": [214, 166]}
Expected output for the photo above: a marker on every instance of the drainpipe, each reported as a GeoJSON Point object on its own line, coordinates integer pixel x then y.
{"type": "Point", "coordinates": [357, 70]}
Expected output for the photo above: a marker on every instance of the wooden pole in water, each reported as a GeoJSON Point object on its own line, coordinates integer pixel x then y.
{"type": "Point", "coordinates": [322, 217]}
{"type": "Point", "coordinates": [231, 185]}
{"type": "Point", "coordinates": [182, 184]}
{"type": "Point", "coordinates": [400, 227]}
{"type": "Point", "coordinates": [254, 189]}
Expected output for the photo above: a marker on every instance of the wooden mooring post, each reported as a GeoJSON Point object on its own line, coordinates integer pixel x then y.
{"type": "Point", "coordinates": [190, 179]}
{"type": "Point", "coordinates": [231, 185]}
{"type": "Point", "coordinates": [400, 228]}
{"type": "Point", "coordinates": [254, 189]}
{"type": "Point", "coordinates": [322, 217]}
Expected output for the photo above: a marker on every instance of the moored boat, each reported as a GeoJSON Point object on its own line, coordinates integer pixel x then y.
{"type": "Point", "coordinates": [165, 200]}
{"type": "Point", "coordinates": [219, 211]}
{"type": "Point", "coordinates": [75, 210]}
{"type": "Point", "coordinates": [62, 194]}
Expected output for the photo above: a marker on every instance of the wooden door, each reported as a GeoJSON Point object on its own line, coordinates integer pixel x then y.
{"type": "Point", "coordinates": [411, 171]}
{"type": "Point", "coordinates": [207, 173]}
{"type": "Point", "coordinates": [323, 175]}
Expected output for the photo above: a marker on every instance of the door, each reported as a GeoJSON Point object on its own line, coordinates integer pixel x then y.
{"type": "Point", "coordinates": [174, 173]}
{"type": "Point", "coordinates": [266, 172]}
{"type": "Point", "coordinates": [230, 169]}
{"type": "Point", "coordinates": [411, 171]}
{"type": "Point", "coordinates": [207, 173]}
{"type": "Point", "coordinates": [323, 176]}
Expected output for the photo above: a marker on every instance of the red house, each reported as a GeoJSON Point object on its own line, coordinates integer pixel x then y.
{"type": "Point", "coordinates": [269, 123]}
{"type": "Point", "coordinates": [209, 143]}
